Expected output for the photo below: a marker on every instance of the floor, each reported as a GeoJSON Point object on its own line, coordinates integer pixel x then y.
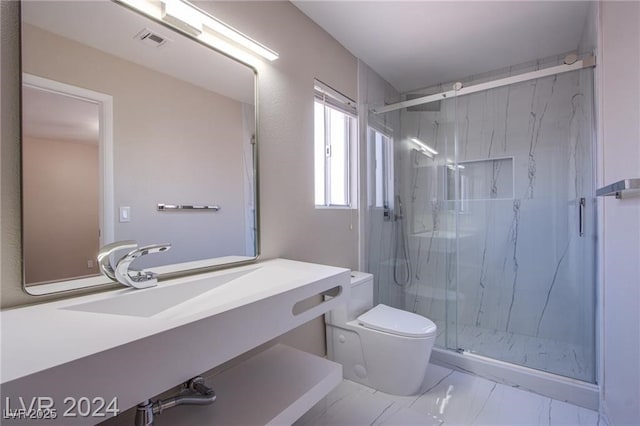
{"type": "Point", "coordinates": [447, 398]}
{"type": "Point", "coordinates": [561, 358]}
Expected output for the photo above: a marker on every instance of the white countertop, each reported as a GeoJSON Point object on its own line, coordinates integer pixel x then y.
{"type": "Point", "coordinates": [38, 337]}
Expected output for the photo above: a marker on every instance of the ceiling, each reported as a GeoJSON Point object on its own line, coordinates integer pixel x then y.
{"type": "Point", "coordinates": [417, 44]}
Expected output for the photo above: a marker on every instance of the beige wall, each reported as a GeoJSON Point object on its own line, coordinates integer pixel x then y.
{"type": "Point", "coordinates": [60, 214]}
{"type": "Point", "coordinates": [290, 225]}
{"type": "Point", "coordinates": [10, 242]}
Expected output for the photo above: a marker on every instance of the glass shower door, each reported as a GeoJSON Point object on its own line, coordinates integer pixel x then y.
{"type": "Point", "coordinates": [522, 183]}
{"type": "Point", "coordinates": [410, 235]}
{"type": "Point", "coordinates": [424, 162]}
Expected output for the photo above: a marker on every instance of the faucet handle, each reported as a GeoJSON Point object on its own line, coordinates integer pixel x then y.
{"type": "Point", "coordinates": [104, 256]}
{"type": "Point", "coordinates": [150, 249]}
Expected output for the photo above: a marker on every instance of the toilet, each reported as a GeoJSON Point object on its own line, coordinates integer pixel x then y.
{"type": "Point", "coordinates": [385, 348]}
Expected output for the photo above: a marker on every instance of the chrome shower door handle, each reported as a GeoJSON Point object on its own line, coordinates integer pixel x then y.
{"type": "Point", "coordinates": [581, 208]}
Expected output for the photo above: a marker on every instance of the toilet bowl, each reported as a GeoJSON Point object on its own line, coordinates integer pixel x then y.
{"type": "Point", "coordinates": [381, 347]}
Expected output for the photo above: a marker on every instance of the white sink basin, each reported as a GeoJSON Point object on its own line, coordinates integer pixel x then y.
{"type": "Point", "coordinates": [152, 301]}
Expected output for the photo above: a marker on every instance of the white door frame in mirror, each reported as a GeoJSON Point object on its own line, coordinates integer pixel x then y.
{"type": "Point", "coordinates": [106, 197]}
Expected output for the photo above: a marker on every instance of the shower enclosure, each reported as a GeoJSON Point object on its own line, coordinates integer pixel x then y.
{"type": "Point", "coordinates": [483, 219]}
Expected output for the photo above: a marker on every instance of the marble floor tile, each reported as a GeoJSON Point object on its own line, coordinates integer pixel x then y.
{"type": "Point", "coordinates": [408, 417]}
{"type": "Point", "coordinates": [447, 397]}
{"type": "Point", "coordinates": [358, 408]}
{"type": "Point", "coordinates": [557, 357]}
{"type": "Point", "coordinates": [435, 375]}
{"type": "Point", "coordinates": [458, 399]}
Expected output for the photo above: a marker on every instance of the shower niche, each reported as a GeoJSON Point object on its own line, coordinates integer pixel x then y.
{"type": "Point", "coordinates": [480, 180]}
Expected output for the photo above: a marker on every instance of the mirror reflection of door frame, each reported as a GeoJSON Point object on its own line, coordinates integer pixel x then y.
{"type": "Point", "coordinates": [105, 151]}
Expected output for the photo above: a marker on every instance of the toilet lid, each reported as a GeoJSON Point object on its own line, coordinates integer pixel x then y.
{"type": "Point", "coordinates": [396, 321]}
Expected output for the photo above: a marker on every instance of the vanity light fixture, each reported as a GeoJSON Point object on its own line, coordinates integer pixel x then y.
{"type": "Point", "coordinates": [424, 146]}
{"type": "Point", "coordinates": [181, 15]}
{"type": "Point", "coordinates": [236, 36]}
{"type": "Point", "coordinates": [204, 27]}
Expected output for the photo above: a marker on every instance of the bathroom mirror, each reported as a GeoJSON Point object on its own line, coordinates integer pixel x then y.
{"type": "Point", "coordinates": [131, 131]}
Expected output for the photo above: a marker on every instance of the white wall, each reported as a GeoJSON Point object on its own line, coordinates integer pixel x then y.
{"type": "Point", "coordinates": [619, 112]}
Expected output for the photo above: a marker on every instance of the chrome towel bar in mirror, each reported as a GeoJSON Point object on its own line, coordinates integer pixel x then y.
{"type": "Point", "coordinates": [165, 207]}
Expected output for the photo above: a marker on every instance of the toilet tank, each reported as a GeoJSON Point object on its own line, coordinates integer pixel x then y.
{"type": "Point", "coordinates": [360, 300]}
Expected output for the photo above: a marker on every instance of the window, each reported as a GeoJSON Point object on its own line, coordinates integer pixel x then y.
{"type": "Point", "coordinates": [382, 188]}
{"type": "Point", "coordinates": [335, 134]}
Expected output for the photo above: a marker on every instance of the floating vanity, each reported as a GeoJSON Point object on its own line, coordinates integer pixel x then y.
{"type": "Point", "coordinates": [134, 344]}
{"type": "Point", "coordinates": [275, 387]}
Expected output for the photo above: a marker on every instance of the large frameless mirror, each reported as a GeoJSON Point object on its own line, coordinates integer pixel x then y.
{"type": "Point", "coordinates": [131, 131]}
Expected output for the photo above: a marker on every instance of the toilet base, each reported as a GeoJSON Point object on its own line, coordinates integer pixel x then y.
{"type": "Point", "coordinates": [392, 364]}
{"type": "Point", "coordinates": [344, 347]}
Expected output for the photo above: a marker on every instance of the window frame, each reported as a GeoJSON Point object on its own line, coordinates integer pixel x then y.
{"type": "Point", "coordinates": [331, 100]}
{"type": "Point", "coordinates": [382, 168]}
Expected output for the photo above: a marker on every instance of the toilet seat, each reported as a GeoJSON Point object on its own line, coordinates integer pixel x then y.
{"type": "Point", "coordinates": [398, 322]}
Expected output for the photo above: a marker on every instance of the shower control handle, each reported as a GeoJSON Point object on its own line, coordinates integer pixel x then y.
{"type": "Point", "coordinates": [386, 213]}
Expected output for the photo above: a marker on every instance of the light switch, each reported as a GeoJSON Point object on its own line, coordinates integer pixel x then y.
{"type": "Point", "coordinates": [125, 214]}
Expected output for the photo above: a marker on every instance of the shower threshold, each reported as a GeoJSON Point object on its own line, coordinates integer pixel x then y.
{"type": "Point", "coordinates": [551, 385]}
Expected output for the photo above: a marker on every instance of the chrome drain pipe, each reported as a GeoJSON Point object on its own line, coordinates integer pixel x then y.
{"type": "Point", "coordinates": [196, 392]}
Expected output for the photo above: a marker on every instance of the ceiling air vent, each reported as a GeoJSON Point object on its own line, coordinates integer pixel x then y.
{"type": "Point", "coordinates": [151, 38]}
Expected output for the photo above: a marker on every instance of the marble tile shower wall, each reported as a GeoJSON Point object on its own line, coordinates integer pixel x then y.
{"type": "Point", "coordinates": [517, 265]}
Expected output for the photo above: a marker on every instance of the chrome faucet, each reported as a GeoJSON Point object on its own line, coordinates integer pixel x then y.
{"type": "Point", "coordinates": [142, 278]}
{"type": "Point", "coordinates": [105, 253]}
{"type": "Point", "coordinates": [121, 273]}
